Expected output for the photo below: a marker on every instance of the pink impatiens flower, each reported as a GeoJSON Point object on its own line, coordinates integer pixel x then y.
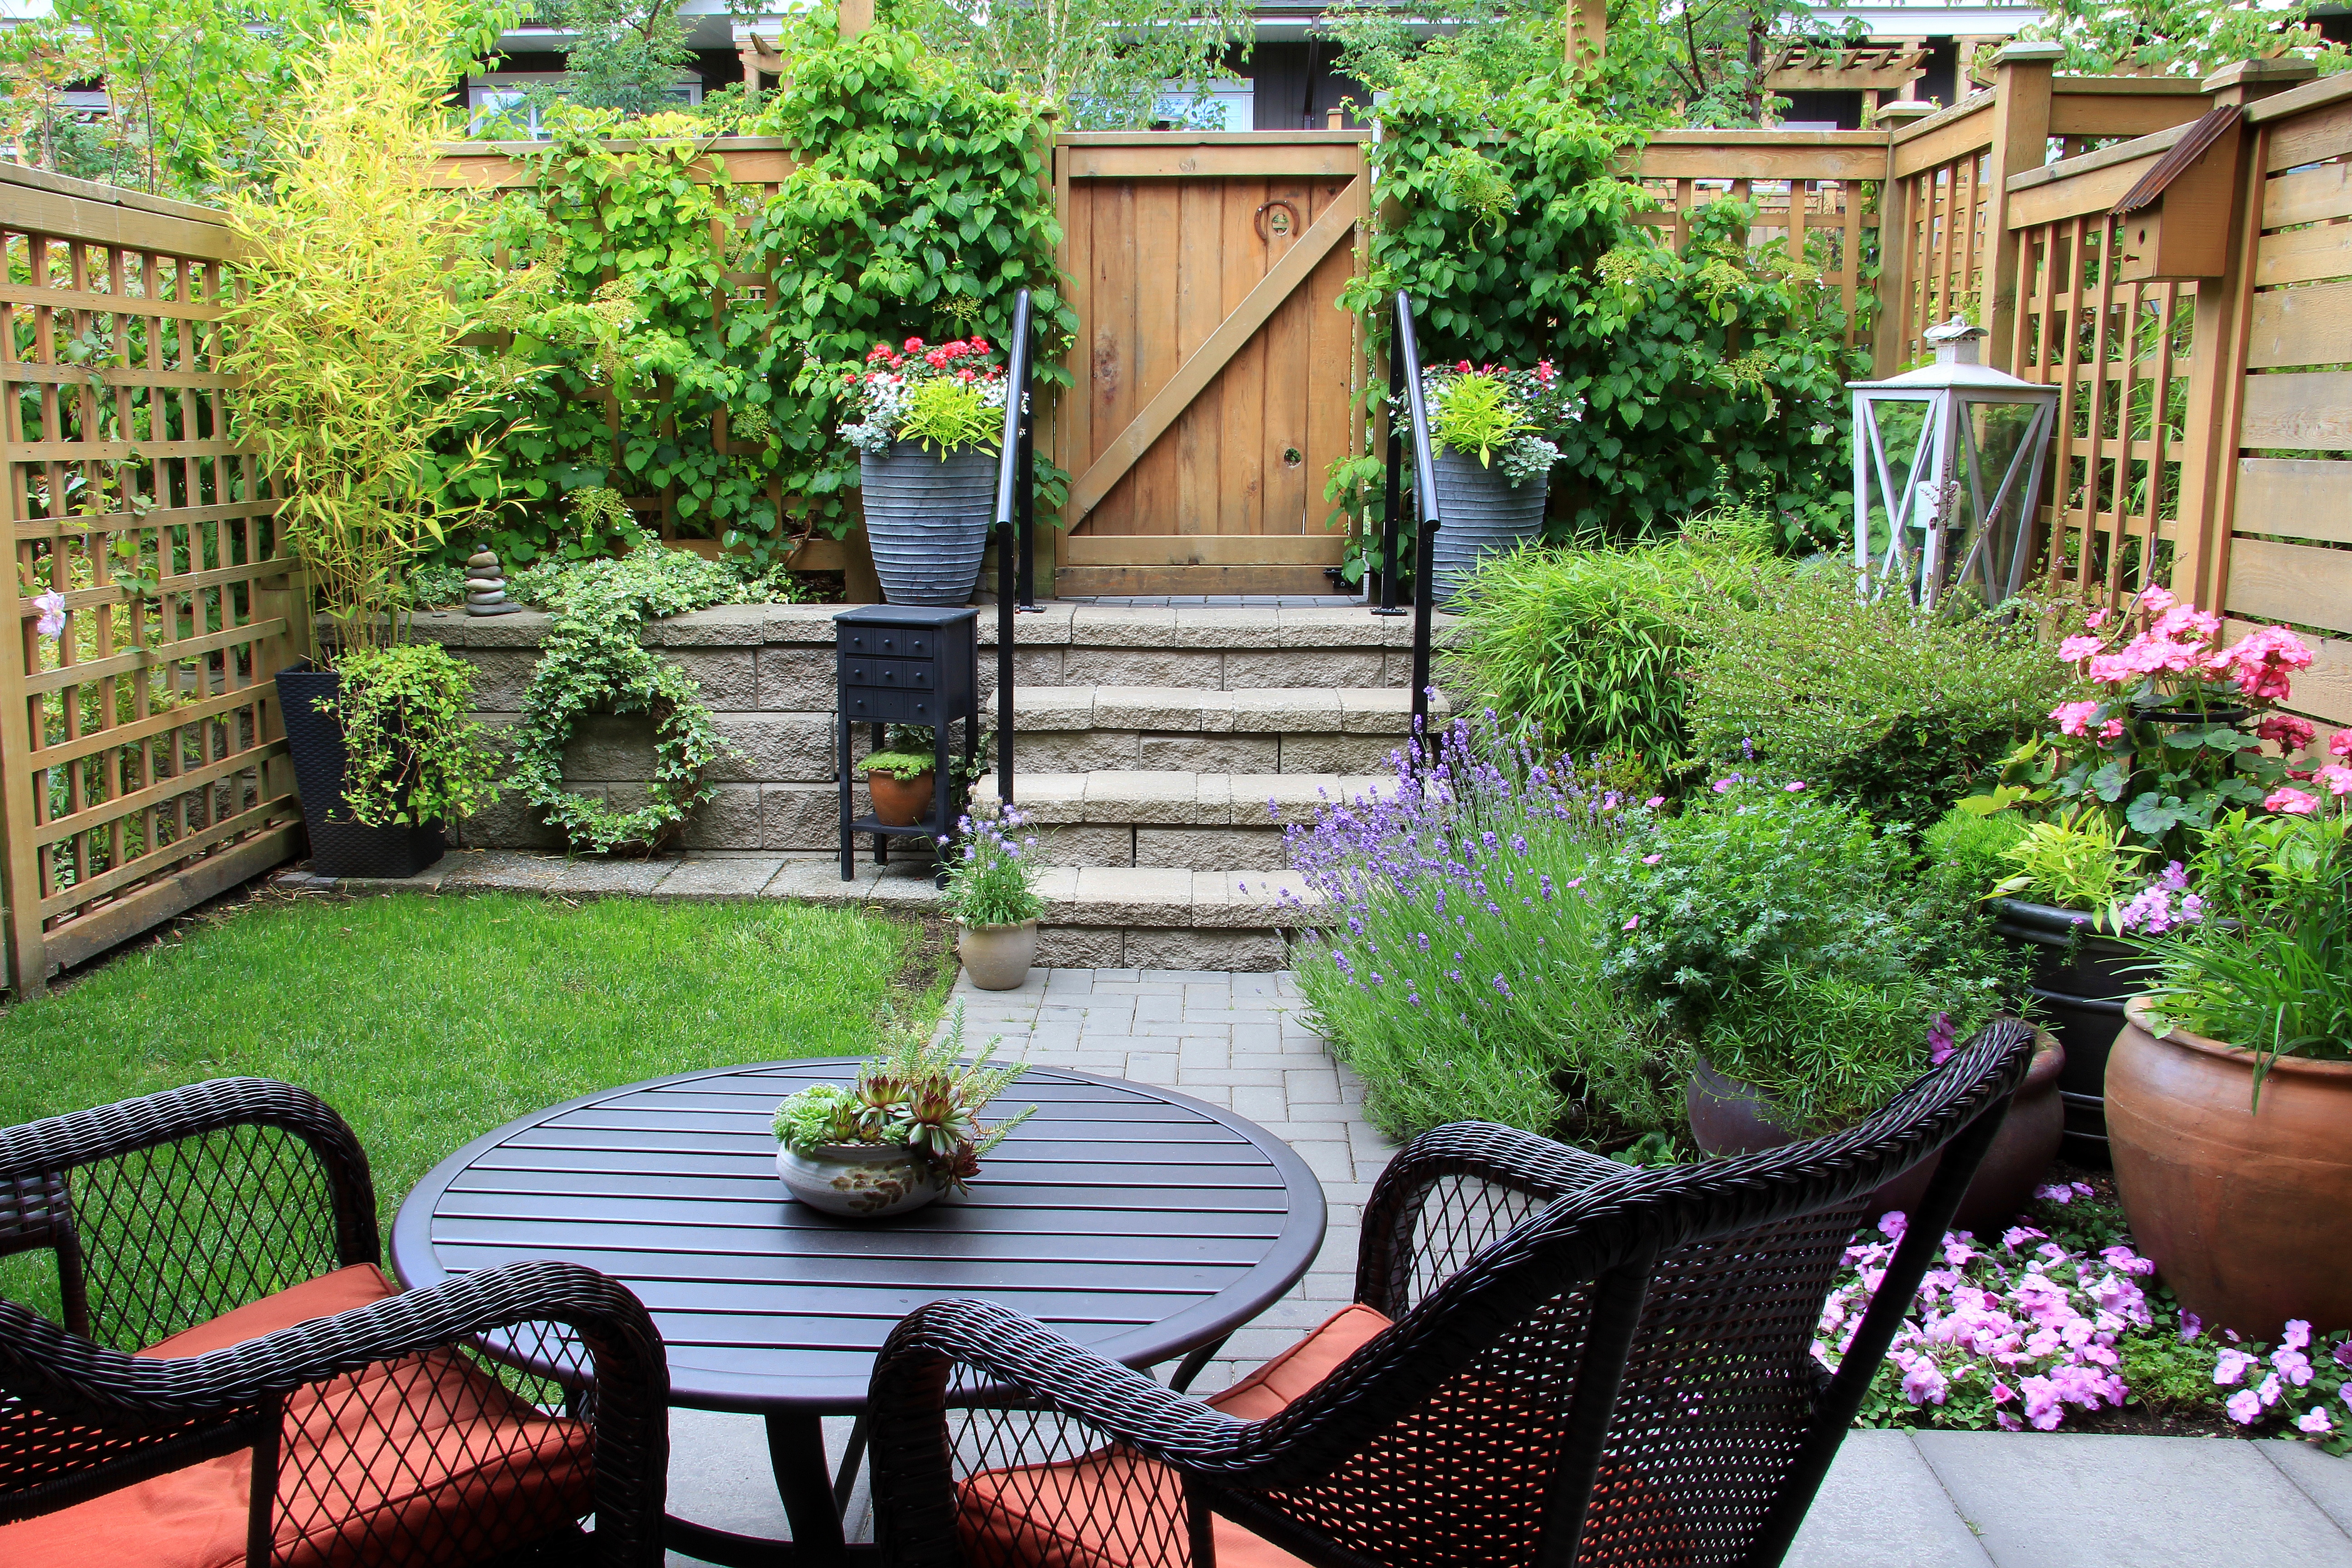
{"type": "Point", "coordinates": [2230, 1366]}
{"type": "Point", "coordinates": [2315, 1422]}
{"type": "Point", "coordinates": [2244, 1407]}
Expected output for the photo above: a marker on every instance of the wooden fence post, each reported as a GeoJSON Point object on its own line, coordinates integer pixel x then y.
{"type": "Point", "coordinates": [2207, 493]}
{"type": "Point", "coordinates": [2020, 141]}
{"type": "Point", "coordinates": [856, 15]}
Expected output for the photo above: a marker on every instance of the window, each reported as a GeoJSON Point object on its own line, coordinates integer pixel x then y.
{"type": "Point", "coordinates": [500, 106]}
{"type": "Point", "coordinates": [1206, 106]}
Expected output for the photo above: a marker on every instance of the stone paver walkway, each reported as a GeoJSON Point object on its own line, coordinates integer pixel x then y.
{"type": "Point", "coordinates": [1893, 1500]}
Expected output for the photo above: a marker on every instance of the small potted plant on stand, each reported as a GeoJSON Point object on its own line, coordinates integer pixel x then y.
{"type": "Point", "coordinates": [353, 319]}
{"type": "Point", "coordinates": [2230, 1089]}
{"type": "Point", "coordinates": [1493, 462]}
{"type": "Point", "coordinates": [993, 892]}
{"type": "Point", "coordinates": [905, 1133]}
{"type": "Point", "coordinates": [928, 420]}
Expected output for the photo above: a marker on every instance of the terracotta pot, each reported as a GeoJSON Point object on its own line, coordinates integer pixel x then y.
{"type": "Point", "coordinates": [998, 957]}
{"type": "Point", "coordinates": [2246, 1211]}
{"type": "Point", "coordinates": [861, 1181]}
{"type": "Point", "coordinates": [900, 803]}
{"type": "Point", "coordinates": [1730, 1117]}
{"type": "Point", "coordinates": [2081, 981]}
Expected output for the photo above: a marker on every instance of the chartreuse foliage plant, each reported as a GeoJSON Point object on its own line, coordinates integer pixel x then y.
{"type": "Point", "coordinates": [354, 314]}
{"type": "Point", "coordinates": [1718, 371]}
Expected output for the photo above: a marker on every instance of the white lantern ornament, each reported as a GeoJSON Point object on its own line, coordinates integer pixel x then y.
{"type": "Point", "coordinates": [1947, 464]}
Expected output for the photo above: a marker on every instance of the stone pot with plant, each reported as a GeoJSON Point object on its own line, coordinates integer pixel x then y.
{"type": "Point", "coordinates": [2170, 736]}
{"type": "Point", "coordinates": [2230, 1087]}
{"type": "Point", "coordinates": [357, 319]}
{"type": "Point", "coordinates": [992, 893]}
{"type": "Point", "coordinates": [905, 1133]}
{"type": "Point", "coordinates": [1798, 960]}
{"type": "Point", "coordinates": [928, 423]}
{"type": "Point", "coordinates": [1493, 462]}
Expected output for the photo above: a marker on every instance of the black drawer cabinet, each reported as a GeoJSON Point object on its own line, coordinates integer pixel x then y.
{"type": "Point", "coordinates": [906, 663]}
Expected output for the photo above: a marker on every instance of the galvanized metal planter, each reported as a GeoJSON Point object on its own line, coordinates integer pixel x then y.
{"type": "Point", "coordinates": [927, 519]}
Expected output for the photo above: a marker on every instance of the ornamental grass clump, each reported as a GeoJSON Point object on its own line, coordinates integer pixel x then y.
{"type": "Point", "coordinates": [1461, 973]}
{"type": "Point", "coordinates": [993, 881]}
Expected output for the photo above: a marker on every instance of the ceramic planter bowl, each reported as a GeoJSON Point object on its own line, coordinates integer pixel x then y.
{"type": "Point", "coordinates": [900, 803]}
{"type": "Point", "coordinates": [998, 957]}
{"type": "Point", "coordinates": [927, 519]}
{"type": "Point", "coordinates": [2247, 1213]}
{"type": "Point", "coordinates": [2081, 981]}
{"type": "Point", "coordinates": [861, 1181]}
{"type": "Point", "coordinates": [1731, 1117]}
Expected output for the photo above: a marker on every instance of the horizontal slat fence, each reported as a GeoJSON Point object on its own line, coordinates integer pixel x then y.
{"type": "Point", "coordinates": [143, 765]}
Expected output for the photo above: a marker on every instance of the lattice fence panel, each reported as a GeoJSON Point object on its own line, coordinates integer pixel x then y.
{"type": "Point", "coordinates": [1946, 244]}
{"type": "Point", "coordinates": [2120, 354]}
{"type": "Point", "coordinates": [1831, 223]}
{"type": "Point", "coordinates": [141, 758]}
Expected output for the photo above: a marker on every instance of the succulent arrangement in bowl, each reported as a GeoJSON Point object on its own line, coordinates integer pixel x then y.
{"type": "Point", "coordinates": [905, 1131]}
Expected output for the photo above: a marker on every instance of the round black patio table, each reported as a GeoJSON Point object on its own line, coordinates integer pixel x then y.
{"type": "Point", "coordinates": [1140, 1222]}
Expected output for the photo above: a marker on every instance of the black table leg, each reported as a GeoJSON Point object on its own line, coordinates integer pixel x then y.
{"type": "Point", "coordinates": [796, 1452]}
{"type": "Point", "coordinates": [812, 1499]}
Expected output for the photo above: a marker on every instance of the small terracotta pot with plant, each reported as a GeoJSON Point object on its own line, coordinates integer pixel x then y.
{"type": "Point", "coordinates": [992, 893]}
{"type": "Point", "coordinates": [906, 1131]}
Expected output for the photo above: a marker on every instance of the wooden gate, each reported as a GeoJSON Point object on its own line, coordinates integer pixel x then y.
{"type": "Point", "coordinates": [1214, 373]}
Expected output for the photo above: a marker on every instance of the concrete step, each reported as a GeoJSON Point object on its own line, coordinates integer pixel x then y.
{"type": "Point", "coordinates": [1224, 649]}
{"type": "Point", "coordinates": [1194, 728]}
{"type": "Point", "coordinates": [1195, 821]}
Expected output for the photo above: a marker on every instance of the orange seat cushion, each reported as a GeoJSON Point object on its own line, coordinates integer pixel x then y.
{"type": "Point", "coordinates": [1115, 1508]}
{"type": "Point", "coordinates": [422, 1459]}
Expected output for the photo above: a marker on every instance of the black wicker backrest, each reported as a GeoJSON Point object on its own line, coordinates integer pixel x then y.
{"type": "Point", "coordinates": [1625, 1377]}
{"type": "Point", "coordinates": [155, 1230]}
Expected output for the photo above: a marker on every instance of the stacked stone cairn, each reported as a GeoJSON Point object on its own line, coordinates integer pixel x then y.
{"type": "Point", "coordinates": [486, 585]}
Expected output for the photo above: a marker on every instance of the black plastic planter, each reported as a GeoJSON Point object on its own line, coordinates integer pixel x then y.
{"type": "Point", "coordinates": [339, 846]}
{"type": "Point", "coordinates": [2081, 980]}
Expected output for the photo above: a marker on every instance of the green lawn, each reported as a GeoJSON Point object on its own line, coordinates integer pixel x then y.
{"type": "Point", "coordinates": [427, 1021]}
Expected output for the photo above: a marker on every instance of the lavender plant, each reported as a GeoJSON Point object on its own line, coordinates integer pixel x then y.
{"type": "Point", "coordinates": [1461, 972]}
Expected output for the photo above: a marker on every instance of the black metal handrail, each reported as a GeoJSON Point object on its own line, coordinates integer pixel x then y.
{"type": "Point", "coordinates": [1404, 378]}
{"type": "Point", "coordinates": [1016, 507]}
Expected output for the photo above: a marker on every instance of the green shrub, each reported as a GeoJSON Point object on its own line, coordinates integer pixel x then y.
{"type": "Point", "coordinates": [1585, 651]}
{"type": "Point", "coordinates": [1792, 943]}
{"type": "Point", "coordinates": [1899, 712]}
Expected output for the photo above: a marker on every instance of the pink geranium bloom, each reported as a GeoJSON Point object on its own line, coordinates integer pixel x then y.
{"type": "Point", "coordinates": [2340, 745]}
{"type": "Point", "coordinates": [2075, 650]}
{"type": "Point", "coordinates": [2096, 619]}
{"type": "Point", "coordinates": [2337, 778]}
{"type": "Point", "coordinates": [2291, 733]}
{"type": "Point", "coordinates": [2289, 802]}
{"type": "Point", "coordinates": [2154, 601]}
{"type": "Point", "coordinates": [2074, 718]}
{"type": "Point", "coordinates": [2113, 730]}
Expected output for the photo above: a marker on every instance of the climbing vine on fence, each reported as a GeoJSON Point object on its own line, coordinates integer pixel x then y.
{"type": "Point", "coordinates": [1717, 370]}
{"type": "Point", "coordinates": [920, 203]}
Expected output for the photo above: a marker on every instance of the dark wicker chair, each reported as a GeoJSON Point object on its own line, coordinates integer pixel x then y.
{"type": "Point", "coordinates": [1587, 1363]}
{"type": "Point", "coordinates": [207, 1230]}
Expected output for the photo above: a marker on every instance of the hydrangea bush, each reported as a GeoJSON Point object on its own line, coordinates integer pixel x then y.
{"type": "Point", "coordinates": [2060, 1317]}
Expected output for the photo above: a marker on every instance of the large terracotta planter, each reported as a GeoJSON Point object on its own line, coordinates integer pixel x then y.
{"type": "Point", "coordinates": [2247, 1213]}
{"type": "Point", "coordinates": [2082, 980]}
{"type": "Point", "coordinates": [1730, 1117]}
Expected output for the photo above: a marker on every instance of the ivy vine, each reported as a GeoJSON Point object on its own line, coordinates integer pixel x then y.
{"type": "Point", "coordinates": [592, 661]}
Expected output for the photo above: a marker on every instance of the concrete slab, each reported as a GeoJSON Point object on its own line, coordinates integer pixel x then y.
{"type": "Point", "coordinates": [1883, 1506]}
{"type": "Point", "coordinates": [2323, 1477]}
{"type": "Point", "coordinates": [734, 877]}
{"type": "Point", "coordinates": [580, 877]}
{"type": "Point", "coordinates": [2077, 1500]}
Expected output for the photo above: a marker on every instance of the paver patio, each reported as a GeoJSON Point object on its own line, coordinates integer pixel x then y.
{"type": "Point", "coordinates": [1895, 1499]}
